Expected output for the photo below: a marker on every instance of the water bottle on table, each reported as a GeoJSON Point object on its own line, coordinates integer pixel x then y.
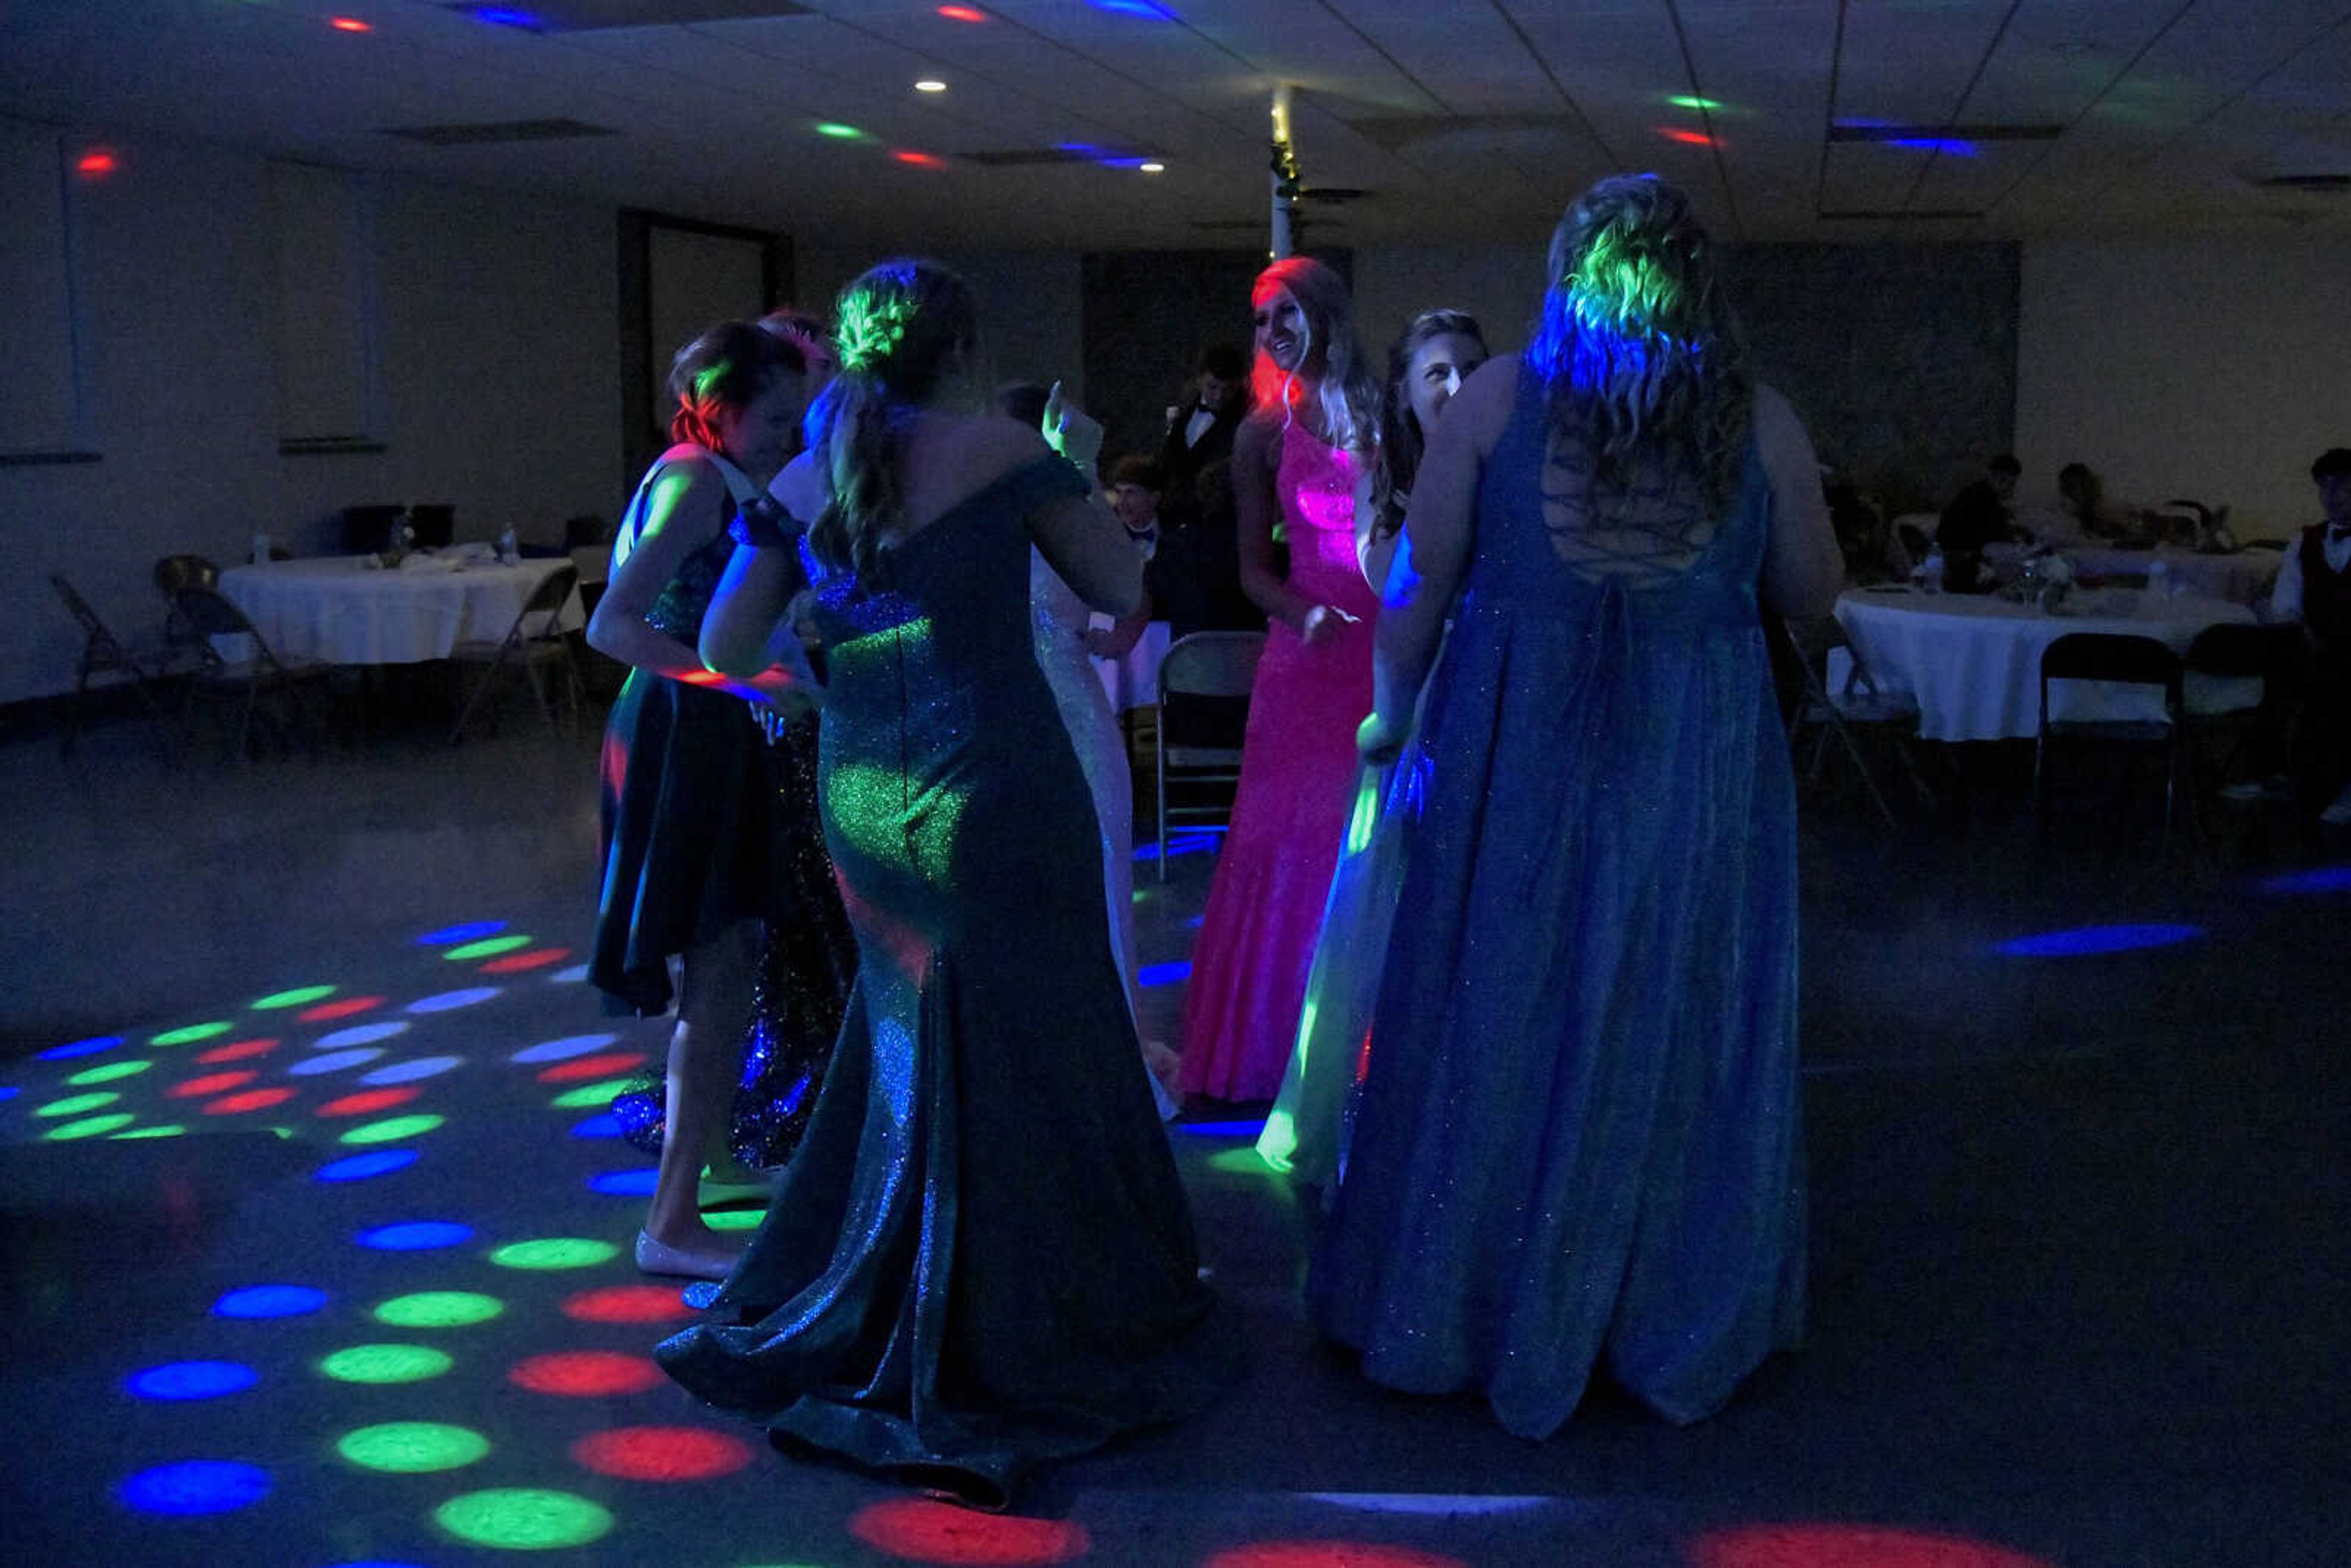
{"type": "Point", "coordinates": [508, 551]}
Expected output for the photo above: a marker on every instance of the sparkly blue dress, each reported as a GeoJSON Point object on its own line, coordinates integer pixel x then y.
{"type": "Point", "coordinates": [1577, 1145]}
{"type": "Point", "coordinates": [980, 1258]}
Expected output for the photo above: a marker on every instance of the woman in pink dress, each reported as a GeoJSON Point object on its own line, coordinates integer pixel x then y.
{"type": "Point", "coordinates": [1295, 464]}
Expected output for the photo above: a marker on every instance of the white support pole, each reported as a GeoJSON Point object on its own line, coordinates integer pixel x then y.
{"type": "Point", "coordinates": [1285, 178]}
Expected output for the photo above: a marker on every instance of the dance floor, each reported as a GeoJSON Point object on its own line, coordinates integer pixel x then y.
{"type": "Point", "coordinates": [316, 1233]}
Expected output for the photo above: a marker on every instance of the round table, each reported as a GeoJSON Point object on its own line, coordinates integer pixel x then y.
{"type": "Point", "coordinates": [337, 610]}
{"type": "Point", "coordinates": [2241, 577]}
{"type": "Point", "coordinates": [1973, 661]}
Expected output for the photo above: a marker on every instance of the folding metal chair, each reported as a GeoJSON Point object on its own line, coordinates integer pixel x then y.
{"type": "Point", "coordinates": [1856, 703]}
{"type": "Point", "coordinates": [530, 646]}
{"type": "Point", "coordinates": [2121, 660]}
{"type": "Point", "coordinates": [208, 614]}
{"type": "Point", "coordinates": [103, 653]}
{"type": "Point", "coordinates": [1203, 667]}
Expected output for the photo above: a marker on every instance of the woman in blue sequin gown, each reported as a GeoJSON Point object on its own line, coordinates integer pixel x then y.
{"type": "Point", "coordinates": [980, 1258]}
{"type": "Point", "coordinates": [1577, 1144]}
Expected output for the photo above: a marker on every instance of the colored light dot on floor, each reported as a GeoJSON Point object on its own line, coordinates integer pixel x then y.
{"type": "Point", "coordinates": [385, 1364]}
{"type": "Point", "coordinates": [184, 1380]}
{"type": "Point", "coordinates": [270, 1302]}
{"type": "Point", "coordinates": [2090, 941]}
{"type": "Point", "coordinates": [563, 1050]}
{"type": "Point", "coordinates": [360, 1034]}
{"type": "Point", "coordinates": [604, 1126]}
{"type": "Point", "coordinates": [210, 1084]}
{"type": "Point", "coordinates": [586, 1373]}
{"type": "Point", "coordinates": [333, 1062]}
{"type": "Point", "coordinates": [554, 1252]}
{"type": "Point", "coordinates": [1162, 973]}
{"type": "Point", "coordinates": [587, 1094]}
{"type": "Point", "coordinates": [10, 1091]}
{"type": "Point", "coordinates": [412, 1448]}
{"type": "Point", "coordinates": [416, 1236]}
{"type": "Point", "coordinates": [88, 1127]}
{"type": "Point", "coordinates": [108, 1072]}
{"type": "Point", "coordinates": [195, 1486]}
{"type": "Point", "coordinates": [300, 995]}
{"type": "Point", "coordinates": [361, 1167]}
{"type": "Point", "coordinates": [925, 1532]}
{"type": "Point", "coordinates": [472, 931]}
{"type": "Point", "coordinates": [412, 1071]}
{"type": "Point", "coordinates": [347, 1007]}
{"type": "Point", "coordinates": [237, 1050]}
{"type": "Point", "coordinates": [627, 1304]}
{"type": "Point", "coordinates": [74, 1048]}
{"type": "Point", "coordinates": [390, 1132]}
{"type": "Point", "coordinates": [439, 1309]}
{"type": "Point", "coordinates": [448, 1002]}
{"type": "Point", "coordinates": [74, 1104]}
{"type": "Point", "coordinates": [602, 1064]}
{"type": "Point", "coordinates": [523, 1519]}
{"type": "Point", "coordinates": [189, 1035]}
{"type": "Point", "coordinates": [663, 1453]}
{"type": "Point", "coordinates": [170, 1130]}
{"type": "Point", "coordinates": [571, 976]}
{"type": "Point", "coordinates": [368, 1102]}
{"type": "Point", "coordinates": [490, 949]}
{"type": "Point", "coordinates": [735, 1218]}
{"type": "Point", "coordinates": [1846, 1546]}
{"type": "Point", "coordinates": [1244, 1161]}
{"type": "Point", "coordinates": [624, 1184]}
{"type": "Point", "coordinates": [523, 963]}
{"type": "Point", "coordinates": [250, 1100]}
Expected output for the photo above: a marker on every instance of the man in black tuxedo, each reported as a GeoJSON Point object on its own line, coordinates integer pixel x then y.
{"type": "Point", "coordinates": [1194, 579]}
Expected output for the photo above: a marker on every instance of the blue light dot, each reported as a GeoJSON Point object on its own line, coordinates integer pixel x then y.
{"type": "Point", "coordinates": [1162, 973]}
{"type": "Point", "coordinates": [333, 1062]}
{"type": "Point", "coordinates": [270, 1302]}
{"type": "Point", "coordinates": [2320, 879]}
{"type": "Point", "coordinates": [182, 1380]}
{"type": "Point", "coordinates": [416, 1236]}
{"type": "Point", "coordinates": [603, 1126]}
{"type": "Point", "coordinates": [196, 1486]}
{"type": "Point", "coordinates": [448, 1000]}
{"type": "Point", "coordinates": [624, 1184]}
{"type": "Point", "coordinates": [1221, 1129]}
{"type": "Point", "coordinates": [449, 935]}
{"type": "Point", "coordinates": [90, 1047]}
{"type": "Point", "coordinates": [10, 1092]}
{"type": "Point", "coordinates": [2091, 940]}
{"type": "Point", "coordinates": [359, 1034]}
{"type": "Point", "coordinates": [411, 1070]}
{"type": "Point", "coordinates": [359, 1167]}
{"type": "Point", "coordinates": [559, 1049]}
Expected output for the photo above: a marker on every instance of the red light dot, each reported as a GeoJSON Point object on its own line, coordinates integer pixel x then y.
{"type": "Point", "coordinates": [920, 160]}
{"type": "Point", "coordinates": [930, 1531]}
{"type": "Point", "coordinates": [95, 162]}
{"type": "Point", "coordinates": [588, 1067]}
{"type": "Point", "coordinates": [349, 25]}
{"type": "Point", "coordinates": [326, 1012]}
{"type": "Point", "coordinates": [251, 1100]}
{"type": "Point", "coordinates": [210, 1084]}
{"type": "Point", "coordinates": [963, 13]}
{"type": "Point", "coordinates": [1687, 138]}
{"type": "Point", "coordinates": [237, 1050]}
{"type": "Point", "coordinates": [663, 1453]}
{"type": "Point", "coordinates": [516, 963]}
{"type": "Point", "coordinates": [627, 1304]}
{"type": "Point", "coordinates": [586, 1373]}
{"type": "Point", "coordinates": [1846, 1546]}
{"type": "Point", "coordinates": [369, 1100]}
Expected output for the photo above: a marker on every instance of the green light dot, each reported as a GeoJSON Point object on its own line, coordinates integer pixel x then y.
{"type": "Point", "coordinates": [189, 1035]}
{"type": "Point", "coordinates": [839, 131]}
{"type": "Point", "coordinates": [1243, 1161]}
{"type": "Point", "coordinates": [109, 1072]}
{"type": "Point", "coordinates": [554, 1252]}
{"type": "Point", "coordinates": [1683, 100]}
{"type": "Point", "coordinates": [88, 1127]}
{"type": "Point", "coordinates": [523, 1519]}
{"type": "Point", "coordinates": [591, 1094]}
{"type": "Point", "coordinates": [439, 1309]}
{"type": "Point", "coordinates": [390, 1130]}
{"type": "Point", "coordinates": [735, 1218]}
{"type": "Point", "coordinates": [412, 1448]}
{"type": "Point", "coordinates": [173, 1131]}
{"type": "Point", "coordinates": [385, 1363]}
{"type": "Point", "coordinates": [299, 997]}
{"type": "Point", "coordinates": [74, 1105]}
{"type": "Point", "coordinates": [489, 948]}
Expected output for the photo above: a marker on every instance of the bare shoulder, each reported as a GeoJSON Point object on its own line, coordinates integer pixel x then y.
{"type": "Point", "coordinates": [1258, 439]}
{"type": "Point", "coordinates": [1780, 434]}
{"type": "Point", "coordinates": [989, 446]}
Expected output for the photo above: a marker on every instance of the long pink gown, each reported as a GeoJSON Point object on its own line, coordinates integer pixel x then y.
{"type": "Point", "coordinates": [1289, 815]}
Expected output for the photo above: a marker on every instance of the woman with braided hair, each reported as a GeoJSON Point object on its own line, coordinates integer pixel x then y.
{"type": "Point", "coordinates": [980, 1258]}
{"type": "Point", "coordinates": [1576, 1144]}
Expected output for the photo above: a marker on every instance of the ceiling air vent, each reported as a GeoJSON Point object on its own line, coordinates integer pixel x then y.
{"type": "Point", "coordinates": [499, 130]}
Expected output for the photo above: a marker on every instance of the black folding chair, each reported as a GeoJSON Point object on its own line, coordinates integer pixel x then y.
{"type": "Point", "coordinates": [260, 674]}
{"type": "Point", "coordinates": [1855, 704]}
{"type": "Point", "coordinates": [1211, 670]}
{"type": "Point", "coordinates": [104, 655]}
{"type": "Point", "coordinates": [2120, 660]}
{"type": "Point", "coordinates": [536, 638]}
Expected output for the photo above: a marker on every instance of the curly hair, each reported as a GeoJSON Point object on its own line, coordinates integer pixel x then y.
{"type": "Point", "coordinates": [900, 326]}
{"type": "Point", "coordinates": [1345, 392]}
{"type": "Point", "coordinates": [722, 371]}
{"type": "Point", "coordinates": [1638, 350]}
{"type": "Point", "coordinates": [1402, 440]}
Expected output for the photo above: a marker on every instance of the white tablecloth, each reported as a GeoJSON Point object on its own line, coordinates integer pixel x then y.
{"type": "Point", "coordinates": [1134, 682]}
{"type": "Point", "coordinates": [334, 608]}
{"type": "Point", "coordinates": [1974, 661]}
{"type": "Point", "coordinates": [2242, 577]}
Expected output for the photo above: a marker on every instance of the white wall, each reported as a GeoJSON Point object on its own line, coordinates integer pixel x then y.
{"type": "Point", "coordinates": [1500, 285]}
{"type": "Point", "coordinates": [2209, 370]}
{"type": "Point", "coordinates": [499, 315]}
{"type": "Point", "coordinates": [1031, 302]}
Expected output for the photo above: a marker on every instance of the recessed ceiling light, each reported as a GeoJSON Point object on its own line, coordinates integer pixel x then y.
{"type": "Point", "coordinates": [349, 25]}
{"type": "Point", "coordinates": [1153, 168]}
{"type": "Point", "coordinates": [930, 84]}
{"type": "Point", "coordinates": [963, 13]}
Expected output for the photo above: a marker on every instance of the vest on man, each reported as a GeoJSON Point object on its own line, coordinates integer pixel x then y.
{"type": "Point", "coordinates": [2325, 594]}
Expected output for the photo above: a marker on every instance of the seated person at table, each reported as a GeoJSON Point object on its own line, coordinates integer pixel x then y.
{"type": "Point", "coordinates": [2313, 588]}
{"type": "Point", "coordinates": [2082, 495]}
{"type": "Point", "coordinates": [1978, 515]}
